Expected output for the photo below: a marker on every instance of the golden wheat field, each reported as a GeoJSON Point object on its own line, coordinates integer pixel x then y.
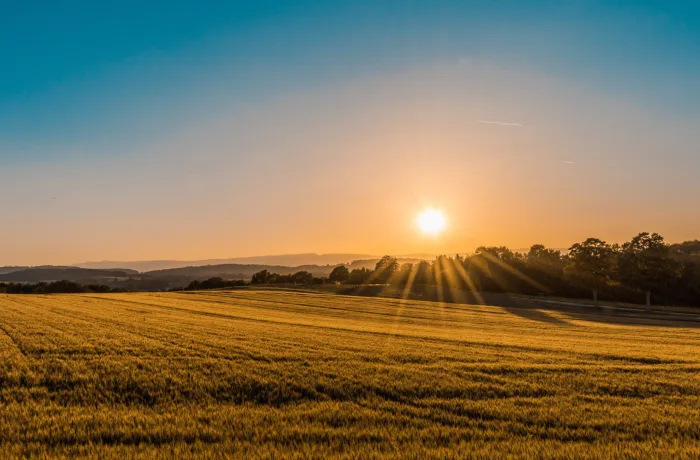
{"type": "Point", "coordinates": [265, 373]}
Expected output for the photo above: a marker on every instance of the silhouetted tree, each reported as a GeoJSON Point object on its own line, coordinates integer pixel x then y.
{"type": "Point", "coordinates": [303, 277]}
{"type": "Point", "coordinates": [500, 252]}
{"type": "Point", "coordinates": [444, 273]}
{"type": "Point", "coordinates": [340, 274]}
{"type": "Point", "coordinates": [689, 280]}
{"type": "Point", "coordinates": [424, 273]}
{"type": "Point", "coordinates": [385, 269]}
{"type": "Point", "coordinates": [500, 269]}
{"type": "Point", "coordinates": [403, 275]}
{"type": "Point", "coordinates": [261, 277]}
{"type": "Point", "coordinates": [644, 263]}
{"type": "Point", "coordinates": [590, 262]}
{"type": "Point", "coordinates": [547, 261]}
{"type": "Point", "coordinates": [359, 276]}
{"type": "Point", "coordinates": [99, 288]}
{"type": "Point", "coordinates": [687, 250]}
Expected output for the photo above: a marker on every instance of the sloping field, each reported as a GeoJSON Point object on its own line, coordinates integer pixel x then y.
{"type": "Point", "coordinates": [275, 373]}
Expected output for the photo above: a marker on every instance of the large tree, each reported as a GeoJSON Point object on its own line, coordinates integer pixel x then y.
{"type": "Point", "coordinates": [385, 268]}
{"type": "Point", "coordinates": [360, 276]}
{"type": "Point", "coordinates": [424, 273]}
{"type": "Point", "coordinates": [645, 263]}
{"type": "Point", "coordinates": [261, 277]}
{"type": "Point", "coordinates": [500, 252]}
{"type": "Point", "coordinates": [303, 277]}
{"type": "Point", "coordinates": [590, 263]}
{"type": "Point", "coordinates": [340, 274]}
{"type": "Point", "coordinates": [548, 261]}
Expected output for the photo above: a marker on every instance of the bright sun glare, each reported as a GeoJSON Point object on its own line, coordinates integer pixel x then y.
{"type": "Point", "coordinates": [431, 221]}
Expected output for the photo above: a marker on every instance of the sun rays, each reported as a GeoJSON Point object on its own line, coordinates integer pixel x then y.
{"type": "Point", "coordinates": [455, 279]}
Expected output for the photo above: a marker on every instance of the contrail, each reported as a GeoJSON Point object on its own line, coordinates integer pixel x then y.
{"type": "Point", "coordinates": [568, 162]}
{"type": "Point", "coordinates": [502, 123]}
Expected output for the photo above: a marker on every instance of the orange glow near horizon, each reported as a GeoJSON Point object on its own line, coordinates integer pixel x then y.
{"type": "Point", "coordinates": [396, 163]}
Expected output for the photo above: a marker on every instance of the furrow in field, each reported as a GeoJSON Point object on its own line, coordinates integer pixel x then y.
{"type": "Point", "coordinates": [476, 319]}
{"type": "Point", "coordinates": [516, 338]}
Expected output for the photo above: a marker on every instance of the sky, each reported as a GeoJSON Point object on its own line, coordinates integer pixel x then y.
{"type": "Point", "coordinates": [191, 130]}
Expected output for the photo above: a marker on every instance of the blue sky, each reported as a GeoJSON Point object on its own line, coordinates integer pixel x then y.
{"type": "Point", "coordinates": [129, 107]}
{"type": "Point", "coordinates": [95, 72]}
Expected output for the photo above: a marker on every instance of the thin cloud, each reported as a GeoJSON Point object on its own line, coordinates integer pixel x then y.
{"type": "Point", "coordinates": [569, 162]}
{"type": "Point", "coordinates": [502, 123]}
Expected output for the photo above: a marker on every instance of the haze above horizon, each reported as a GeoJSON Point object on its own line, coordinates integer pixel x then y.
{"type": "Point", "coordinates": [191, 131]}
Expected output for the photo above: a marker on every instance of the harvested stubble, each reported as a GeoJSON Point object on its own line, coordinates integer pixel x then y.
{"type": "Point", "coordinates": [278, 374]}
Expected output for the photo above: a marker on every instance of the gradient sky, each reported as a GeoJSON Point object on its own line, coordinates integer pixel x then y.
{"type": "Point", "coordinates": [191, 130]}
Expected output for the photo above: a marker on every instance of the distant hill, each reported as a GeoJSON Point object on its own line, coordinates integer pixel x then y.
{"type": "Point", "coordinates": [38, 274]}
{"type": "Point", "coordinates": [285, 260]}
{"type": "Point", "coordinates": [11, 269]}
{"type": "Point", "coordinates": [168, 278]}
{"type": "Point", "coordinates": [182, 276]}
{"type": "Point", "coordinates": [4, 270]}
{"type": "Point", "coordinates": [235, 271]}
{"type": "Point", "coordinates": [288, 260]}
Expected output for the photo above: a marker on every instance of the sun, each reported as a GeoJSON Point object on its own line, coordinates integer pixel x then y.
{"type": "Point", "coordinates": [431, 221]}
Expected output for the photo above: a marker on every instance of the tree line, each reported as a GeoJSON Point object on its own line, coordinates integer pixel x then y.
{"type": "Point", "coordinates": [300, 277]}
{"type": "Point", "coordinates": [55, 287]}
{"type": "Point", "coordinates": [646, 267]}
{"type": "Point", "coordinates": [215, 282]}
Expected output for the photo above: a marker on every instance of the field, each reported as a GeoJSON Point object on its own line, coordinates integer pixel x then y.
{"type": "Point", "coordinates": [281, 373]}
